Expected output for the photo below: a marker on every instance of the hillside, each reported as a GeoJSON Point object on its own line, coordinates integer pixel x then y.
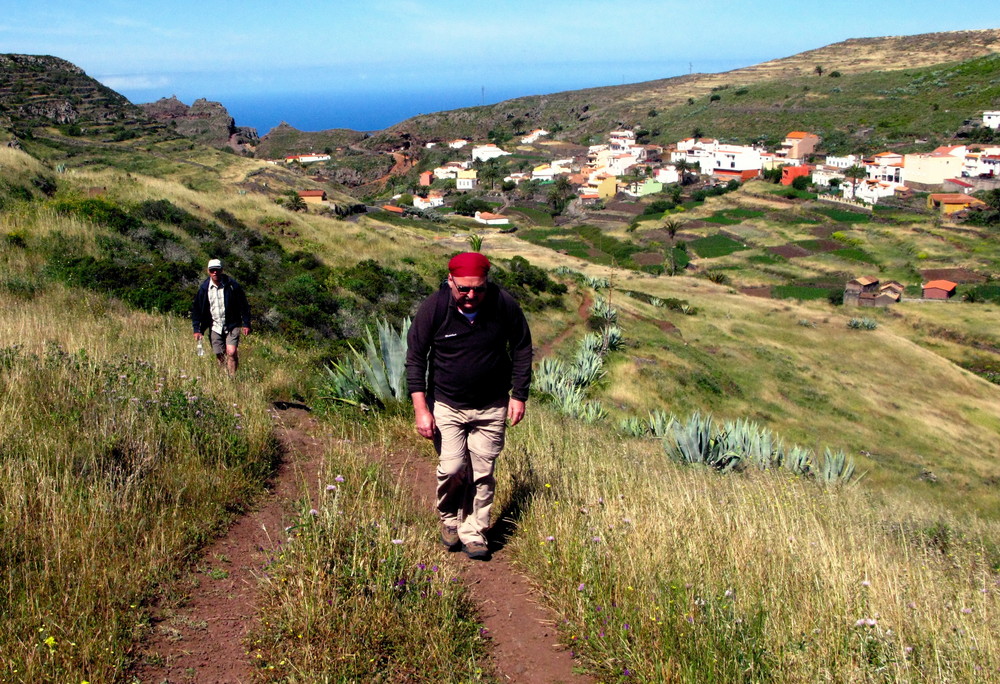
{"type": "Point", "coordinates": [48, 91]}
{"type": "Point", "coordinates": [591, 112]}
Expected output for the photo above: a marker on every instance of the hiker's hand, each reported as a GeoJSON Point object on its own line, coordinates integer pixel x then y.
{"type": "Point", "coordinates": [425, 424]}
{"type": "Point", "coordinates": [515, 411]}
{"type": "Point", "coordinates": [246, 330]}
{"type": "Point", "coordinates": [197, 336]}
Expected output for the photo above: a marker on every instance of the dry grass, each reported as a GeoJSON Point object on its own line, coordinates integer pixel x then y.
{"type": "Point", "coordinates": [679, 574]}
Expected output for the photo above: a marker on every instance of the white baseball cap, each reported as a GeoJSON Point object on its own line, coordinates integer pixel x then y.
{"type": "Point", "coordinates": [214, 263]}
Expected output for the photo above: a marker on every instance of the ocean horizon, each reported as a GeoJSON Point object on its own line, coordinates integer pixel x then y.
{"type": "Point", "coordinates": [359, 111]}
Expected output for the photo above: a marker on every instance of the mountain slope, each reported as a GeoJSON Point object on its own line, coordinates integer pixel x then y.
{"type": "Point", "coordinates": [591, 112]}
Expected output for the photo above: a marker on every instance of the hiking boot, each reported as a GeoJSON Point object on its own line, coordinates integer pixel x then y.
{"type": "Point", "coordinates": [477, 550]}
{"type": "Point", "coordinates": [449, 537]}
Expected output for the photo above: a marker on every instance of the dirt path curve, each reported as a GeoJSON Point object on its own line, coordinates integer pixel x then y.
{"type": "Point", "coordinates": [202, 640]}
{"type": "Point", "coordinates": [583, 311]}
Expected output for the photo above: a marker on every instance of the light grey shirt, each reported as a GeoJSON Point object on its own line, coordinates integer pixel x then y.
{"type": "Point", "coordinates": [217, 305]}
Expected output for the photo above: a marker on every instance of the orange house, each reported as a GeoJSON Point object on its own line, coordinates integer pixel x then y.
{"type": "Point", "coordinates": [790, 173]}
{"type": "Point", "coordinates": [313, 196]}
{"type": "Point", "coordinates": [939, 289]}
{"type": "Point", "coordinates": [949, 203]}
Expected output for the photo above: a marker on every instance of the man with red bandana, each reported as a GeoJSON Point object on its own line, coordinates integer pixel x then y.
{"type": "Point", "coordinates": [468, 366]}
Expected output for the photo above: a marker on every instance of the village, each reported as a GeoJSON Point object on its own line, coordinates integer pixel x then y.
{"type": "Point", "coordinates": [622, 169]}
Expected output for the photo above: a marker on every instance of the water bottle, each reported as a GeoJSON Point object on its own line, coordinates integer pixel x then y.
{"type": "Point", "coordinates": [201, 348]}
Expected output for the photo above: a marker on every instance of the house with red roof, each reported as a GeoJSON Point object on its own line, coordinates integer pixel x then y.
{"type": "Point", "coordinates": [798, 145]}
{"type": "Point", "coordinates": [491, 219]}
{"type": "Point", "coordinates": [313, 196]}
{"type": "Point", "coordinates": [939, 289]}
{"type": "Point", "coordinates": [952, 202]}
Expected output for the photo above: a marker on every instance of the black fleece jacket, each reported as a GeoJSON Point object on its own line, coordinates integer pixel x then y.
{"type": "Point", "coordinates": [469, 365]}
{"type": "Point", "coordinates": [237, 307]}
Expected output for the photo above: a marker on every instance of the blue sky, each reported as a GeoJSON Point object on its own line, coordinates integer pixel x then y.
{"type": "Point", "coordinates": [221, 49]}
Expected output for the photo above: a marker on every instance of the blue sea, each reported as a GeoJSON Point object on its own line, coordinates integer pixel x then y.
{"type": "Point", "coordinates": [358, 111]}
{"type": "Point", "coordinates": [371, 107]}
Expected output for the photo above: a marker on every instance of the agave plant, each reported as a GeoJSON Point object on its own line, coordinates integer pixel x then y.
{"type": "Point", "coordinates": [660, 423]}
{"type": "Point", "coordinates": [591, 412]}
{"type": "Point", "coordinates": [632, 426]}
{"type": "Point", "coordinates": [756, 445]}
{"type": "Point", "coordinates": [586, 369]}
{"type": "Point", "coordinates": [592, 342]}
{"type": "Point", "coordinates": [598, 283]}
{"type": "Point", "coordinates": [602, 309]}
{"type": "Point", "coordinates": [862, 324]}
{"type": "Point", "coordinates": [836, 468]}
{"type": "Point", "coordinates": [798, 460]}
{"type": "Point", "coordinates": [375, 375]}
{"type": "Point", "coordinates": [613, 338]}
{"type": "Point", "coordinates": [550, 376]}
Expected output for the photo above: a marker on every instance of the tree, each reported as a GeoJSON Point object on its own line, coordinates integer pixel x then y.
{"type": "Point", "coordinates": [854, 174]}
{"type": "Point", "coordinates": [672, 225]}
{"type": "Point", "coordinates": [697, 133]}
{"type": "Point", "coordinates": [467, 205]}
{"type": "Point", "coordinates": [559, 195]}
{"type": "Point", "coordinates": [819, 69]}
{"type": "Point", "coordinates": [489, 171]}
{"type": "Point", "coordinates": [683, 167]}
{"type": "Point", "coordinates": [295, 202]}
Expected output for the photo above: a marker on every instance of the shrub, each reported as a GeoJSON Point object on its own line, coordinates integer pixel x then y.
{"type": "Point", "coordinates": [862, 324]}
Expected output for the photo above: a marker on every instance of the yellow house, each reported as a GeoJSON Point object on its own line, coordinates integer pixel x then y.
{"type": "Point", "coordinates": [949, 203]}
{"type": "Point", "coordinates": [607, 187]}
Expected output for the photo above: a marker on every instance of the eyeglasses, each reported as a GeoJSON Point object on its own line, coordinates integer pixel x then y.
{"type": "Point", "coordinates": [466, 289]}
{"type": "Point", "coordinates": [215, 270]}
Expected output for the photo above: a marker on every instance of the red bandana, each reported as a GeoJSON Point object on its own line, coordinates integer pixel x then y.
{"type": "Point", "coordinates": [471, 264]}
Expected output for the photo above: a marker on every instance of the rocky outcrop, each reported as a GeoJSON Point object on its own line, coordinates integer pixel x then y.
{"type": "Point", "coordinates": [205, 121]}
{"type": "Point", "coordinates": [38, 90]}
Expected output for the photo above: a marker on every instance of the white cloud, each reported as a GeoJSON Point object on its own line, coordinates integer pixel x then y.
{"type": "Point", "coordinates": [135, 81]}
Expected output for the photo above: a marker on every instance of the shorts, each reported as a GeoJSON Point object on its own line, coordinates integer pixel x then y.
{"type": "Point", "coordinates": [220, 342]}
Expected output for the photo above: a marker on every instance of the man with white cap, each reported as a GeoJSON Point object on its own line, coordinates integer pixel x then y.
{"type": "Point", "coordinates": [221, 308]}
{"type": "Point", "coordinates": [468, 367]}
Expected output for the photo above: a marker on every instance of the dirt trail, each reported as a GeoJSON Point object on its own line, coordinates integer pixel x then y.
{"type": "Point", "coordinates": [583, 311]}
{"type": "Point", "coordinates": [202, 641]}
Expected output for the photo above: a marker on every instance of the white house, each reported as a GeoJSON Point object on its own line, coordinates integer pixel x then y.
{"type": "Point", "coordinates": [466, 179]}
{"type": "Point", "coordinates": [491, 219]}
{"type": "Point", "coordinates": [842, 162]}
{"type": "Point", "coordinates": [869, 190]}
{"type": "Point", "coordinates": [517, 177]}
{"type": "Point", "coordinates": [547, 172]}
{"type": "Point", "coordinates": [458, 143]}
{"type": "Point", "coordinates": [991, 119]}
{"type": "Point", "coordinates": [450, 170]}
{"type": "Point", "coordinates": [885, 166]}
{"type": "Point", "coordinates": [825, 173]}
{"type": "Point", "coordinates": [489, 151]}
{"type": "Point", "coordinates": [433, 199]}
{"type": "Point", "coordinates": [928, 171]}
{"type": "Point", "coordinates": [667, 175]}
{"type": "Point", "coordinates": [533, 136]}
{"type": "Point", "coordinates": [732, 158]}
{"type": "Point", "coordinates": [307, 158]}
{"type": "Point", "coordinates": [981, 163]}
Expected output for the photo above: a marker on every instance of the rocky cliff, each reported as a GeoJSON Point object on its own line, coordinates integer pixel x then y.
{"type": "Point", "coordinates": [38, 90]}
{"type": "Point", "coordinates": [205, 121]}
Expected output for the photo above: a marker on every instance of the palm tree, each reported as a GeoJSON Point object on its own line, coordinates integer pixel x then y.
{"type": "Point", "coordinates": [295, 202]}
{"type": "Point", "coordinates": [683, 166]}
{"type": "Point", "coordinates": [855, 173]}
